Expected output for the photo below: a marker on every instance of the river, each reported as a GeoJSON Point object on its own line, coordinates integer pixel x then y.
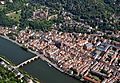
{"type": "Point", "coordinates": [38, 68]}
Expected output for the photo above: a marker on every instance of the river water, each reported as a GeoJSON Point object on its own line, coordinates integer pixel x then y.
{"type": "Point", "coordinates": [38, 68]}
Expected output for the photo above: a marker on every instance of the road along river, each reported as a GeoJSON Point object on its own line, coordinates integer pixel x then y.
{"type": "Point", "coordinates": [39, 68]}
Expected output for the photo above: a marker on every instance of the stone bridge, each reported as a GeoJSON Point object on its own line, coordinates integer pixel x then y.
{"type": "Point", "coordinates": [27, 61]}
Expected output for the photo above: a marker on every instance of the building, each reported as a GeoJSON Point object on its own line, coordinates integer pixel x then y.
{"type": "Point", "coordinates": [88, 46]}
{"type": "Point", "coordinates": [40, 14]}
{"type": "Point", "coordinates": [82, 42]}
{"type": "Point", "coordinates": [29, 81]}
{"type": "Point", "coordinates": [96, 54]}
{"type": "Point", "coordinates": [103, 47]}
{"type": "Point", "coordinates": [2, 2]}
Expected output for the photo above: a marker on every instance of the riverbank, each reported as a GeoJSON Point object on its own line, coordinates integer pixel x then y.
{"type": "Point", "coordinates": [34, 52]}
{"type": "Point", "coordinates": [17, 74]}
{"type": "Point", "coordinates": [41, 57]}
{"type": "Point", "coordinates": [13, 65]}
{"type": "Point", "coordinates": [38, 68]}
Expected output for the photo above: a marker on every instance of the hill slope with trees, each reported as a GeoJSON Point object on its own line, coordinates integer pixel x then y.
{"type": "Point", "coordinates": [102, 13]}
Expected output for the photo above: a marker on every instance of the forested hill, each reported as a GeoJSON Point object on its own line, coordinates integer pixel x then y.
{"type": "Point", "coordinates": [90, 10]}
{"type": "Point", "coordinates": [87, 7]}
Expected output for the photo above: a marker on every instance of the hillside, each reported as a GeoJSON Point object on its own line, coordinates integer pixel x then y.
{"type": "Point", "coordinates": [102, 13]}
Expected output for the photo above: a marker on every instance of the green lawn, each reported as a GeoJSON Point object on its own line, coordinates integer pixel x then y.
{"type": "Point", "coordinates": [15, 16]}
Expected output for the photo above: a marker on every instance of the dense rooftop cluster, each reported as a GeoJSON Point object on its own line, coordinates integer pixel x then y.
{"type": "Point", "coordinates": [95, 58]}
{"type": "Point", "coordinates": [82, 37]}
